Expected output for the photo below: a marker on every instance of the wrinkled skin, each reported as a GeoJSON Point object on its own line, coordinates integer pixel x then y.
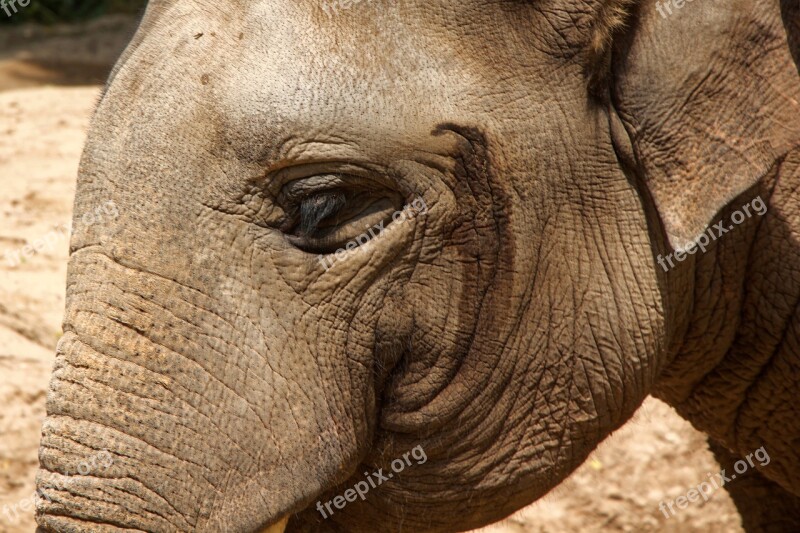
{"type": "Point", "coordinates": [506, 330]}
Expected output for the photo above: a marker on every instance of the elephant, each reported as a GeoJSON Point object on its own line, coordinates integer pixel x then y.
{"type": "Point", "coordinates": [470, 236]}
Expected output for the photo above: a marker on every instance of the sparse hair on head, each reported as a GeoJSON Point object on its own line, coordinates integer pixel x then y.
{"type": "Point", "coordinates": [611, 18]}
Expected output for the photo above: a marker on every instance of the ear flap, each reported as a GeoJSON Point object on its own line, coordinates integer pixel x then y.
{"type": "Point", "coordinates": [709, 94]}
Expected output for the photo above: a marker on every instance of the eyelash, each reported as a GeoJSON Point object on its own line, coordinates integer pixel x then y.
{"type": "Point", "coordinates": [316, 208]}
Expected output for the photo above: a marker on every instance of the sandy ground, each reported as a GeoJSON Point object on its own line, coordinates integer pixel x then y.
{"type": "Point", "coordinates": [656, 456]}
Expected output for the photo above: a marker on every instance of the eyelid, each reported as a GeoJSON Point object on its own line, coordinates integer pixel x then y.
{"type": "Point", "coordinates": [294, 192]}
{"type": "Point", "coordinates": [276, 181]}
{"type": "Point", "coordinates": [299, 189]}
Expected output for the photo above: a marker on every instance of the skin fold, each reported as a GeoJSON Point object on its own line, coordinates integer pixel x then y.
{"type": "Point", "coordinates": [506, 328]}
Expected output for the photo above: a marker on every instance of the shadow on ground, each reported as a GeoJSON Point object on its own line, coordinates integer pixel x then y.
{"type": "Point", "coordinates": [32, 56]}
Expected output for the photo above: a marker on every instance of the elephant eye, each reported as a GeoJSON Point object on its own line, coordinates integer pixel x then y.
{"type": "Point", "coordinates": [327, 213]}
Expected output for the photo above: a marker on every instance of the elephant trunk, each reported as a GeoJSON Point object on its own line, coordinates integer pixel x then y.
{"type": "Point", "coordinates": [145, 430]}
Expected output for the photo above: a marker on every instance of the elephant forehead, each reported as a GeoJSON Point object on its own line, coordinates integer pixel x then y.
{"type": "Point", "coordinates": [374, 78]}
{"type": "Point", "coordinates": [363, 71]}
{"type": "Point", "coordinates": [280, 67]}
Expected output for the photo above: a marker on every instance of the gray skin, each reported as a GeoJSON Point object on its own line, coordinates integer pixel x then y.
{"type": "Point", "coordinates": [506, 330]}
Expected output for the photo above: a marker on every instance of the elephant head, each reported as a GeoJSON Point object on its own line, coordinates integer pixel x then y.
{"type": "Point", "coordinates": [352, 233]}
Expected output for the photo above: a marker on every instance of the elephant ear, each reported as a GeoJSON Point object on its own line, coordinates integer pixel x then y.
{"type": "Point", "coordinates": [709, 95]}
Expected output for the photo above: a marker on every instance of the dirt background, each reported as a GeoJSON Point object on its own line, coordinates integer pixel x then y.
{"type": "Point", "coordinates": [49, 82]}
